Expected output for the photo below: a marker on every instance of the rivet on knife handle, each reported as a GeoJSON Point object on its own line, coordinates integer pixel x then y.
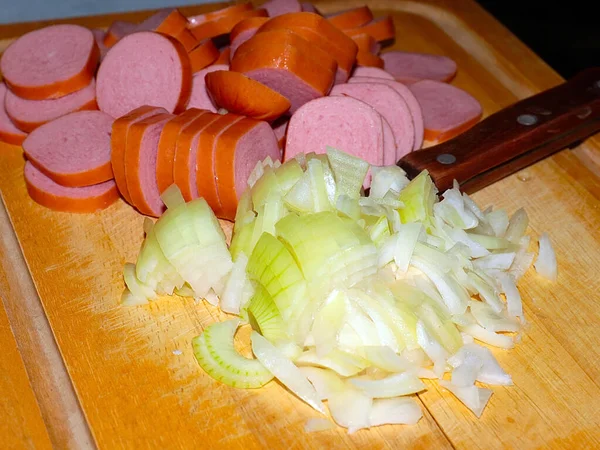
{"type": "Point", "coordinates": [514, 137]}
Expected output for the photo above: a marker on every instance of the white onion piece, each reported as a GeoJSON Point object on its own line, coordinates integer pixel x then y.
{"type": "Point", "coordinates": [545, 264]}
{"type": "Point", "coordinates": [404, 383]}
{"type": "Point", "coordinates": [473, 397]}
{"type": "Point", "coordinates": [341, 362]}
{"type": "Point", "coordinates": [401, 410]}
{"type": "Point", "coordinates": [385, 358]}
{"type": "Point", "coordinates": [473, 207]}
{"type": "Point", "coordinates": [488, 337]}
{"type": "Point", "coordinates": [500, 261]}
{"type": "Point", "coordinates": [490, 371]}
{"type": "Point", "coordinates": [378, 316]}
{"type": "Point", "coordinates": [328, 321]}
{"type": "Point", "coordinates": [427, 374]}
{"type": "Point", "coordinates": [318, 424]}
{"type": "Point", "coordinates": [486, 291]}
{"type": "Point", "coordinates": [452, 210]}
{"type": "Point", "coordinates": [350, 408]}
{"type": "Point", "coordinates": [285, 371]}
{"type": "Point", "coordinates": [406, 240]}
{"type": "Point", "coordinates": [385, 179]}
{"type": "Point", "coordinates": [514, 304]}
{"type": "Point", "coordinates": [326, 382]}
{"type": "Point", "coordinates": [455, 296]}
{"type": "Point", "coordinates": [257, 172]}
{"type": "Point", "coordinates": [476, 250]}
{"type": "Point", "coordinates": [211, 297]}
{"type": "Point", "coordinates": [362, 325]}
{"type": "Point", "coordinates": [348, 338]}
{"type": "Point", "coordinates": [522, 263]}
{"type": "Point", "coordinates": [464, 319]}
{"type": "Point", "coordinates": [417, 357]}
{"type": "Point", "coordinates": [235, 292]}
{"type": "Point", "coordinates": [467, 339]}
{"type": "Point", "coordinates": [490, 319]}
{"type": "Point", "coordinates": [465, 373]}
{"type": "Point", "coordinates": [517, 226]}
{"type": "Point", "coordinates": [432, 348]}
{"type": "Point", "coordinates": [498, 220]}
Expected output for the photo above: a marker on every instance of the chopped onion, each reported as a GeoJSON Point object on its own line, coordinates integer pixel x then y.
{"type": "Point", "coordinates": [237, 288]}
{"type": "Point", "coordinates": [489, 372]}
{"type": "Point", "coordinates": [349, 172]}
{"type": "Point", "coordinates": [285, 371]}
{"type": "Point", "coordinates": [488, 337]}
{"type": "Point", "coordinates": [517, 226]}
{"type": "Point", "coordinates": [172, 197]}
{"type": "Point", "coordinates": [328, 322]}
{"type": "Point", "coordinates": [350, 408]}
{"type": "Point", "coordinates": [406, 240]}
{"type": "Point", "coordinates": [490, 319]}
{"type": "Point", "coordinates": [498, 220]}
{"type": "Point", "coordinates": [545, 264]}
{"type": "Point", "coordinates": [473, 397]}
{"type": "Point", "coordinates": [318, 424]}
{"type": "Point", "coordinates": [401, 410]}
{"type": "Point", "coordinates": [385, 358]}
{"type": "Point", "coordinates": [432, 348]}
{"type": "Point", "coordinates": [326, 382]}
{"type": "Point", "coordinates": [386, 179]}
{"type": "Point", "coordinates": [404, 383]}
{"type": "Point", "coordinates": [339, 361]}
{"type": "Point", "coordinates": [514, 305]}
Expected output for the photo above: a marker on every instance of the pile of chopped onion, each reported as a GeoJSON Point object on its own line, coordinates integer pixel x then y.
{"type": "Point", "coordinates": [353, 298]}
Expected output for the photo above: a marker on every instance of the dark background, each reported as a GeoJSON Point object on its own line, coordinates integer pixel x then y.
{"type": "Point", "coordinates": [565, 34]}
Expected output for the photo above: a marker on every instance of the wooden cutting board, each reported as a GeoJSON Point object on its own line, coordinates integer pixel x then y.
{"type": "Point", "coordinates": [134, 382]}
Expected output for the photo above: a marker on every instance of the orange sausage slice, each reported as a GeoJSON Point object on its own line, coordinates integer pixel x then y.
{"type": "Point", "coordinates": [167, 21]}
{"type": "Point", "coordinates": [220, 13]}
{"type": "Point", "coordinates": [167, 146]}
{"type": "Point", "coordinates": [382, 29]}
{"type": "Point", "coordinates": [205, 160]}
{"type": "Point", "coordinates": [118, 143]}
{"type": "Point", "coordinates": [368, 59]}
{"type": "Point", "coordinates": [367, 43]}
{"type": "Point", "coordinates": [224, 56]}
{"type": "Point", "coordinates": [242, 95]}
{"type": "Point", "coordinates": [224, 25]}
{"type": "Point", "coordinates": [351, 18]}
{"type": "Point", "coordinates": [117, 30]}
{"type": "Point", "coordinates": [202, 55]}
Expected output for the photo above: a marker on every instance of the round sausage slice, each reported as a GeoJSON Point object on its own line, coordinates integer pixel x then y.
{"type": "Point", "coordinates": [224, 25]}
{"type": "Point", "coordinates": [239, 94]}
{"type": "Point", "coordinates": [186, 154]}
{"type": "Point", "coordinates": [167, 145]}
{"type": "Point", "coordinates": [237, 151]}
{"type": "Point", "coordinates": [140, 164]}
{"type": "Point", "coordinates": [351, 18]}
{"type": "Point", "coordinates": [243, 31]}
{"type": "Point", "coordinates": [206, 182]}
{"type": "Point", "coordinates": [202, 55]}
{"type": "Point", "coordinates": [118, 143]}
{"type": "Point", "coordinates": [373, 72]}
{"type": "Point", "coordinates": [9, 133]}
{"type": "Point", "coordinates": [168, 21]}
{"type": "Point", "coordinates": [50, 62]}
{"type": "Point", "coordinates": [408, 67]}
{"type": "Point", "coordinates": [117, 31]}
{"type": "Point", "coordinates": [409, 98]}
{"type": "Point", "coordinates": [392, 107]}
{"type": "Point", "coordinates": [88, 199]}
{"type": "Point", "coordinates": [144, 68]}
{"type": "Point", "coordinates": [73, 150]}
{"type": "Point", "coordinates": [30, 114]}
{"type": "Point", "coordinates": [447, 110]}
{"type": "Point", "coordinates": [344, 123]}
{"type": "Point", "coordinates": [199, 97]}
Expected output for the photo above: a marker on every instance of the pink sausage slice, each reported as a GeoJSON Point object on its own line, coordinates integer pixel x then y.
{"type": "Point", "coordinates": [410, 99]}
{"type": "Point", "coordinates": [279, 7]}
{"type": "Point", "coordinates": [50, 62]}
{"type": "Point", "coordinates": [344, 123]}
{"type": "Point", "coordinates": [392, 106]}
{"type": "Point", "coordinates": [199, 97]}
{"type": "Point", "coordinates": [408, 67]}
{"type": "Point", "coordinates": [447, 110]}
{"type": "Point", "coordinates": [88, 199]}
{"type": "Point", "coordinates": [9, 133]}
{"type": "Point", "coordinates": [73, 150]}
{"type": "Point", "coordinates": [374, 72]}
{"type": "Point", "coordinates": [144, 68]}
{"type": "Point", "coordinates": [30, 114]}
{"type": "Point", "coordinates": [117, 31]}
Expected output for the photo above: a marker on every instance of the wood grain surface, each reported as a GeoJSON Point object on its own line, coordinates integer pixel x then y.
{"type": "Point", "coordinates": [133, 371]}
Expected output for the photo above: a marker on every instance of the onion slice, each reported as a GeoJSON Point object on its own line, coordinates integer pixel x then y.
{"type": "Point", "coordinates": [545, 264]}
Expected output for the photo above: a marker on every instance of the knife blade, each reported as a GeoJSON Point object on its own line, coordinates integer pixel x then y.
{"type": "Point", "coordinates": [514, 137]}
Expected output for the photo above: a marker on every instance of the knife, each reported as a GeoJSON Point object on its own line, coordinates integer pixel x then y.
{"type": "Point", "coordinates": [514, 137]}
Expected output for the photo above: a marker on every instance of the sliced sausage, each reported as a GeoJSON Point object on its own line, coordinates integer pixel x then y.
{"type": "Point", "coordinates": [409, 98]}
{"type": "Point", "coordinates": [279, 7]}
{"type": "Point", "coordinates": [167, 145]}
{"type": "Point", "coordinates": [408, 67]}
{"type": "Point", "coordinates": [73, 150]}
{"type": "Point", "coordinates": [186, 154]}
{"type": "Point", "coordinates": [141, 162]}
{"type": "Point", "coordinates": [392, 107]}
{"type": "Point", "coordinates": [368, 59]}
{"type": "Point", "coordinates": [144, 68]}
{"type": "Point", "coordinates": [382, 29]}
{"type": "Point", "coordinates": [9, 133]}
{"type": "Point", "coordinates": [199, 97]}
{"type": "Point", "coordinates": [88, 199]}
{"type": "Point", "coordinates": [118, 143]}
{"type": "Point", "coordinates": [99, 35]}
{"type": "Point", "coordinates": [373, 72]}
{"type": "Point", "coordinates": [367, 43]}
{"type": "Point", "coordinates": [30, 114]}
{"type": "Point", "coordinates": [50, 62]}
{"type": "Point", "coordinates": [117, 31]}
{"type": "Point", "coordinates": [280, 130]}
{"type": "Point", "coordinates": [206, 182]}
{"type": "Point", "coordinates": [447, 110]}
{"type": "Point", "coordinates": [224, 25]}
{"type": "Point", "coordinates": [187, 39]}
{"type": "Point", "coordinates": [224, 56]}
{"type": "Point", "coordinates": [243, 31]}
{"type": "Point", "coordinates": [203, 55]}
{"type": "Point", "coordinates": [234, 10]}
{"type": "Point", "coordinates": [344, 123]}
{"type": "Point", "coordinates": [309, 7]}
{"type": "Point", "coordinates": [351, 18]}
{"type": "Point", "coordinates": [237, 151]}
{"type": "Point", "coordinates": [168, 21]}
{"type": "Point", "coordinates": [287, 66]}
{"type": "Point", "coordinates": [242, 95]}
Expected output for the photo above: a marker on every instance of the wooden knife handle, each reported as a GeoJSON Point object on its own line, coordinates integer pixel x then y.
{"type": "Point", "coordinates": [514, 137]}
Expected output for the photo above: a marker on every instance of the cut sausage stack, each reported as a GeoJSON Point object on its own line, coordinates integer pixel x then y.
{"type": "Point", "coordinates": [199, 101]}
{"type": "Point", "coordinates": [205, 154]}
